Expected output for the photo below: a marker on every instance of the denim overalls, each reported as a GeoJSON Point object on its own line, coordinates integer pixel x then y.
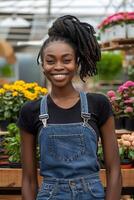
{"type": "Point", "coordinates": [69, 164]}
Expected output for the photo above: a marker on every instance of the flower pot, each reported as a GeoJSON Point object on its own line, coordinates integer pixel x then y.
{"type": "Point", "coordinates": [15, 165]}
{"type": "Point", "coordinates": [118, 31]}
{"type": "Point", "coordinates": [130, 30]}
{"type": "Point", "coordinates": [104, 36]}
{"type": "Point", "coordinates": [119, 123]}
{"type": "Point", "coordinates": [129, 124]}
{"type": "Point", "coordinates": [126, 164]}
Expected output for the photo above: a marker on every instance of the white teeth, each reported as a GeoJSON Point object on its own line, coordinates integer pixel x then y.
{"type": "Point", "coordinates": [59, 76]}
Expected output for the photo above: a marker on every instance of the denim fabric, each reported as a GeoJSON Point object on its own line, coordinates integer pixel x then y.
{"type": "Point", "coordinates": [68, 155]}
{"type": "Point", "coordinates": [84, 188]}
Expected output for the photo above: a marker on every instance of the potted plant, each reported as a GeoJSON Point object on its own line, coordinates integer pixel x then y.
{"type": "Point", "coordinates": [126, 92]}
{"type": "Point", "coordinates": [117, 26]}
{"type": "Point", "coordinates": [12, 144]}
{"type": "Point", "coordinates": [122, 102]}
{"type": "Point", "coordinates": [117, 107]}
{"type": "Point", "coordinates": [14, 95]}
{"type": "Point", "coordinates": [126, 150]}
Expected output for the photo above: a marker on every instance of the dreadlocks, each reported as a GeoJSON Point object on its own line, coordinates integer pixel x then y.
{"type": "Point", "coordinates": [81, 37]}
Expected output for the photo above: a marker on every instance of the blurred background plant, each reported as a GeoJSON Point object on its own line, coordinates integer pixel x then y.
{"type": "Point", "coordinates": [13, 96]}
{"type": "Point", "coordinates": [12, 144]}
{"type": "Point", "coordinates": [110, 66]}
{"type": "Point", "coordinates": [126, 147]}
{"type": "Point", "coordinates": [122, 100]}
{"type": "Point", "coordinates": [6, 70]}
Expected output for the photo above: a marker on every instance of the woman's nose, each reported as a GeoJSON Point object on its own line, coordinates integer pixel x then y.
{"type": "Point", "coordinates": [59, 66]}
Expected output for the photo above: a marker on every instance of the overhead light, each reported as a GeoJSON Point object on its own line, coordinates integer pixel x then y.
{"type": "Point", "coordinates": [14, 21]}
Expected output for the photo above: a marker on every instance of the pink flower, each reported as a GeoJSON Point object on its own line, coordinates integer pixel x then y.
{"type": "Point", "coordinates": [113, 98]}
{"type": "Point", "coordinates": [111, 93]}
{"type": "Point", "coordinates": [128, 110]}
{"type": "Point", "coordinates": [122, 88]}
{"type": "Point", "coordinates": [128, 84]}
{"type": "Point", "coordinates": [117, 17]}
{"type": "Point", "coordinates": [128, 101]}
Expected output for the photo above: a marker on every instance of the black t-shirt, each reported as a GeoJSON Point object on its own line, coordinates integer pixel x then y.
{"type": "Point", "coordinates": [98, 105]}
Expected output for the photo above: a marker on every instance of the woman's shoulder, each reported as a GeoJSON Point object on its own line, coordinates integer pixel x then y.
{"type": "Point", "coordinates": [97, 97]}
{"type": "Point", "coordinates": [31, 106]}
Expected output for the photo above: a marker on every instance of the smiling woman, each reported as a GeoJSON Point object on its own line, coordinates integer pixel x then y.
{"type": "Point", "coordinates": [68, 123]}
{"type": "Point", "coordinates": [59, 63]}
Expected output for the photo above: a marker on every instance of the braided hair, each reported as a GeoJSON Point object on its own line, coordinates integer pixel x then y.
{"type": "Point", "coordinates": [81, 37]}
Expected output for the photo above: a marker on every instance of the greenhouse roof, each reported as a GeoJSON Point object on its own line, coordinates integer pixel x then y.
{"type": "Point", "coordinates": [39, 14]}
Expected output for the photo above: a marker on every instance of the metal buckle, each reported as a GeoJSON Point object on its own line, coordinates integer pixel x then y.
{"type": "Point", "coordinates": [86, 117]}
{"type": "Point", "coordinates": [44, 118]}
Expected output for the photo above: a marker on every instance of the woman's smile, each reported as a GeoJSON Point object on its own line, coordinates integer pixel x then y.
{"type": "Point", "coordinates": [59, 77]}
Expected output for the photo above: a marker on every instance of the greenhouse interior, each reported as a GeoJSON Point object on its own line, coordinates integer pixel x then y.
{"type": "Point", "coordinates": [24, 26]}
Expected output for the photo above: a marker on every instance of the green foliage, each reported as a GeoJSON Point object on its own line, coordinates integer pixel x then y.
{"type": "Point", "coordinates": [10, 106]}
{"type": "Point", "coordinates": [6, 71]}
{"type": "Point", "coordinates": [100, 152]}
{"type": "Point", "coordinates": [126, 153]}
{"type": "Point", "coordinates": [109, 66]}
{"type": "Point", "coordinates": [12, 143]}
{"type": "Point", "coordinates": [14, 95]}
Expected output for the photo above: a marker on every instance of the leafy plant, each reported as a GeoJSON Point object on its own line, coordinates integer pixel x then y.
{"type": "Point", "coordinates": [109, 66]}
{"type": "Point", "coordinates": [13, 96]}
{"type": "Point", "coordinates": [126, 146]}
{"type": "Point", "coordinates": [12, 143]}
{"type": "Point", "coordinates": [122, 100]}
{"type": "Point", "coordinates": [117, 18]}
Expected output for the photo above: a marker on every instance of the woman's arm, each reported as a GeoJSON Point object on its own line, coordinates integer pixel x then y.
{"type": "Point", "coordinates": [112, 160]}
{"type": "Point", "coordinates": [29, 166]}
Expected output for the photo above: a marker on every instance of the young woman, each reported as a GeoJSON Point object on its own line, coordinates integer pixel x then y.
{"type": "Point", "coordinates": [68, 123]}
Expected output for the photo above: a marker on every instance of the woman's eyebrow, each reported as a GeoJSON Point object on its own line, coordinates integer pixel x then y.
{"type": "Point", "coordinates": [63, 55]}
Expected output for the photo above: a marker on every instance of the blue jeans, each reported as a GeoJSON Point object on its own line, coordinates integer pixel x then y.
{"type": "Point", "coordinates": [89, 188]}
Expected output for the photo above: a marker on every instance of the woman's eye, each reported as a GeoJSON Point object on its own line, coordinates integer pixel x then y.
{"type": "Point", "coordinates": [50, 62]}
{"type": "Point", "coordinates": [67, 61]}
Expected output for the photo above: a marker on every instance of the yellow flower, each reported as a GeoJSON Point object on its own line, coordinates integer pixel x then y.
{"type": "Point", "coordinates": [2, 91]}
{"type": "Point", "coordinates": [44, 90]}
{"type": "Point", "coordinates": [15, 94]}
{"type": "Point", "coordinates": [19, 82]}
{"type": "Point", "coordinates": [6, 86]}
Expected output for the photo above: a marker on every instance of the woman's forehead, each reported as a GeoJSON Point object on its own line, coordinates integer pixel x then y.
{"type": "Point", "coordinates": [59, 47]}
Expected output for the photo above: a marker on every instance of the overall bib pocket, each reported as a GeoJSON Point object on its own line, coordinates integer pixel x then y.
{"type": "Point", "coordinates": [66, 148]}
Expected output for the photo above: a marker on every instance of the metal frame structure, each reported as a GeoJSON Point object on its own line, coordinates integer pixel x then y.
{"type": "Point", "coordinates": [41, 13]}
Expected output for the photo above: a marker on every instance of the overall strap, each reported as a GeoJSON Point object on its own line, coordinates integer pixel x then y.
{"type": "Point", "coordinates": [44, 110]}
{"type": "Point", "coordinates": [85, 114]}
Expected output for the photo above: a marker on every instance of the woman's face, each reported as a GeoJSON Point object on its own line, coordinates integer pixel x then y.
{"type": "Point", "coordinates": [59, 63]}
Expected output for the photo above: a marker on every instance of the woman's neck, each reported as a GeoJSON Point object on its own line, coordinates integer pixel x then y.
{"type": "Point", "coordinates": [65, 98]}
{"type": "Point", "coordinates": [63, 93]}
